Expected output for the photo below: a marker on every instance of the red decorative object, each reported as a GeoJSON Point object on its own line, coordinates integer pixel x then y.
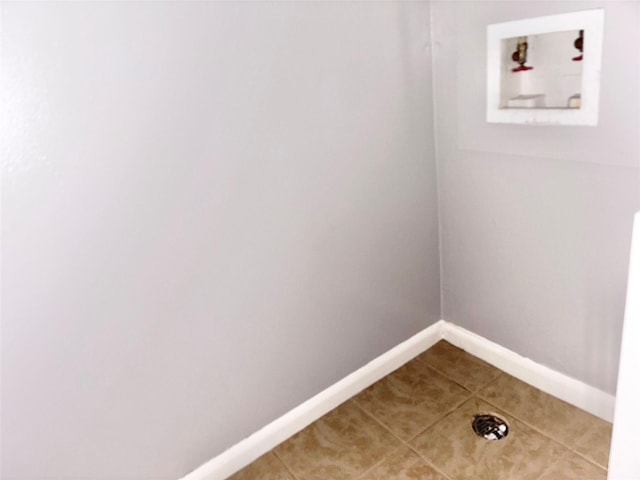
{"type": "Point", "coordinates": [521, 68]}
{"type": "Point", "coordinates": [520, 55]}
{"type": "Point", "coordinates": [578, 43]}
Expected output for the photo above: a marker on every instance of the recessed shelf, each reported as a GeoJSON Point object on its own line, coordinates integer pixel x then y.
{"type": "Point", "coordinates": [545, 70]}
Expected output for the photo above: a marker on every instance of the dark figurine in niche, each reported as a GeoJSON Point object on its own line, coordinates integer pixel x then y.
{"type": "Point", "coordinates": [520, 55]}
{"type": "Point", "coordinates": [578, 43]}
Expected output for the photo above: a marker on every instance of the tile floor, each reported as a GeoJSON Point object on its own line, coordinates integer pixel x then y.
{"type": "Point", "coordinates": [416, 424]}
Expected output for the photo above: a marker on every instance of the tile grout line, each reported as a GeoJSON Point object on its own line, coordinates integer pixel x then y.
{"type": "Point", "coordinates": [403, 442]}
{"type": "Point", "coordinates": [446, 413]}
{"type": "Point", "coordinates": [378, 421]}
{"type": "Point", "coordinates": [286, 466]}
{"type": "Point", "coordinates": [428, 462]}
{"type": "Point", "coordinates": [544, 434]}
{"type": "Point", "coordinates": [526, 422]}
{"type": "Point", "coordinates": [471, 394]}
{"type": "Point", "coordinates": [444, 374]}
{"type": "Point", "coordinates": [567, 450]}
{"type": "Point", "coordinates": [562, 457]}
{"type": "Point", "coordinates": [592, 462]}
{"type": "Point", "coordinates": [379, 462]}
{"type": "Point", "coordinates": [407, 443]}
{"type": "Point", "coordinates": [517, 417]}
{"type": "Point", "coordinates": [439, 372]}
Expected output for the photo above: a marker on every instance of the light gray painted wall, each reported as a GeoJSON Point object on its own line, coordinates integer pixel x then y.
{"type": "Point", "coordinates": [211, 212]}
{"type": "Point", "coordinates": [536, 220]}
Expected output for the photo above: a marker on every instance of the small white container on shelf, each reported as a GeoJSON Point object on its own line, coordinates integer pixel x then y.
{"type": "Point", "coordinates": [575, 101]}
{"type": "Point", "coordinates": [527, 101]}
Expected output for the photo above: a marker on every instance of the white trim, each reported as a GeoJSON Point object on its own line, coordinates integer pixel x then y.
{"type": "Point", "coordinates": [575, 392]}
{"type": "Point", "coordinates": [554, 383]}
{"type": "Point", "coordinates": [624, 462]}
{"type": "Point", "coordinates": [247, 450]}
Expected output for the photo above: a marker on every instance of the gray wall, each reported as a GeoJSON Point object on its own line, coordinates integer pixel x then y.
{"type": "Point", "coordinates": [211, 212]}
{"type": "Point", "coordinates": [536, 220]}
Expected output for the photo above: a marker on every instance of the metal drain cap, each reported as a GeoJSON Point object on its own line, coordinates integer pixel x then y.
{"type": "Point", "coordinates": [490, 426]}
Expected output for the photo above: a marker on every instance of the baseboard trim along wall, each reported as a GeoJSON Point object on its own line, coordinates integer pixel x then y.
{"type": "Point", "coordinates": [575, 392]}
{"type": "Point", "coordinates": [570, 390]}
{"type": "Point", "coordinates": [252, 447]}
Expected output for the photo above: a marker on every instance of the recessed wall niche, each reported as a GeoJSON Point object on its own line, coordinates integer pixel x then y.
{"type": "Point", "coordinates": [545, 70]}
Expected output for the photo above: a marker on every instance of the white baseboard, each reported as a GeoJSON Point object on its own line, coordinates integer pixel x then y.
{"type": "Point", "coordinates": [570, 390]}
{"type": "Point", "coordinates": [575, 392]}
{"type": "Point", "coordinates": [252, 447]}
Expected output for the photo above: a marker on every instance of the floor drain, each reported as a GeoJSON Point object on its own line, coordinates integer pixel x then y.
{"type": "Point", "coordinates": [490, 427]}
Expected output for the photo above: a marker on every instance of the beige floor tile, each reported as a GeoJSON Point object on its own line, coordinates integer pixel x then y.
{"type": "Point", "coordinates": [596, 443]}
{"type": "Point", "coordinates": [553, 417]}
{"type": "Point", "coordinates": [434, 392]}
{"type": "Point", "coordinates": [341, 445]}
{"type": "Point", "coordinates": [411, 398]}
{"type": "Point", "coordinates": [455, 363]}
{"type": "Point", "coordinates": [574, 467]}
{"type": "Point", "coordinates": [403, 465]}
{"type": "Point", "coordinates": [267, 467]}
{"type": "Point", "coordinates": [452, 447]}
